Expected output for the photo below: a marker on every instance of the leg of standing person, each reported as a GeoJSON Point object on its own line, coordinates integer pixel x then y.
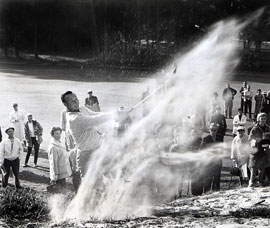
{"type": "Point", "coordinates": [253, 172]}
{"type": "Point", "coordinates": [245, 108]}
{"type": "Point", "coordinates": [249, 108]}
{"type": "Point", "coordinates": [225, 108]}
{"type": "Point", "coordinates": [242, 104]}
{"type": "Point", "coordinates": [29, 150]}
{"type": "Point", "coordinates": [217, 175]}
{"type": "Point", "coordinates": [36, 148]}
{"type": "Point", "coordinates": [7, 165]}
{"type": "Point", "coordinates": [230, 108]}
{"type": "Point", "coordinates": [15, 168]}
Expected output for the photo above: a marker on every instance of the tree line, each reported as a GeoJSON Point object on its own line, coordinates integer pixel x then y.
{"type": "Point", "coordinates": [126, 30]}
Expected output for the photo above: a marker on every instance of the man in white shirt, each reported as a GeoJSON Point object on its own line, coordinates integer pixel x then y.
{"type": "Point", "coordinates": [247, 97]}
{"type": "Point", "coordinates": [82, 127]}
{"type": "Point", "coordinates": [17, 119]}
{"type": "Point", "coordinates": [239, 120]}
{"type": "Point", "coordinates": [10, 150]}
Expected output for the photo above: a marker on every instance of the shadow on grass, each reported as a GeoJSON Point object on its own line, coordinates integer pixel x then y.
{"type": "Point", "coordinates": [32, 177]}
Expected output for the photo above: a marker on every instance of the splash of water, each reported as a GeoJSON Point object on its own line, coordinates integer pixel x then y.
{"type": "Point", "coordinates": [124, 176]}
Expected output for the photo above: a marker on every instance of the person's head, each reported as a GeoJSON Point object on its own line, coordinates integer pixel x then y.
{"type": "Point", "coordinates": [213, 129]}
{"type": "Point", "coordinates": [261, 119]}
{"type": "Point", "coordinates": [71, 101]}
{"type": "Point", "coordinates": [56, 133]}
{"type": "Point", "coordinates": [248, 87]}
{"type": "Point", "coordinates": [244, 84]}
{"type": "Point", "coordinates": [218, 110]}
{"type": "Point", "coordinates": [10, 132]}
{"type": "Point", "coordinates": [240, 112]}
{"type": "Point", "coordinates": [15, 106]}
{"type": "Point", "coordinates": [90, 93]}
{"type": "Point", "coordinates": [29, 117]}
{"type": "Point", "coordinates": [195, 133]}
{"type": "Point", "coordinates": [241, 131]}
{"type": "Point", "coordinates": [259, 91]}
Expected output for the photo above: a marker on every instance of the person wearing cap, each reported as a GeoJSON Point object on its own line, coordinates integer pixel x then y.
{"type": "Point", "coordinates": [240, 153]}
{"type": "Point", "coordinates": [82, 127]}
{"type": "Point", "coordinates": [17, 119]}
{"type": "Point", "coordinates": [33, 136]}
{"type": "Point", "coordinates": [258, 102]}
{"type": "Point", "coordinates": [220, 120]}
{"type": "Point", "coordinates": [10, 150]}
{"type": "Point", "coordinates": [257, 161]}
{"type": "Point", "coordinates": [238, 120]}
{"type": "Point", "coordinates": [91, 102]}
{"type": "Point", "coordinates": [228, 96]}
{"type": "Point", "coordinates": [212, 167]}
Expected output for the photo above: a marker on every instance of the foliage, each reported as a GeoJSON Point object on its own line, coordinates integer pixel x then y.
{"type": "Point", "coordinates": [23, 204]}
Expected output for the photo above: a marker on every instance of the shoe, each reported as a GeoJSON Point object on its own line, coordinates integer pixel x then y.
{"type": "Point", "coordinates": [25, 165]}
{"type": "Point", "coordinates": [35, 165]}
{"type": "Point", "coordinates": [251, 185]}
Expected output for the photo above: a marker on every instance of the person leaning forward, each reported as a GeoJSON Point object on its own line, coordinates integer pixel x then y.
{"type": "Point", "coordinates": [82, 127]}
{"type": "Point", "coordinates": [10, 150]}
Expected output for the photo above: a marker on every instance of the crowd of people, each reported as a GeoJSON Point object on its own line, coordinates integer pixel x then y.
{"type": "Point", "coordinates": [250, 151]}
{"type": "Point", "coordinates": [250, 147]}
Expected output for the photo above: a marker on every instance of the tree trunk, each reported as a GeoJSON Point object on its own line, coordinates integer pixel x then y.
{"type": "Point", "coordinates": [36, 40]}
{"type": "Point", "coordinates": [94, 35]}
{"type": "Point", "coordinates": [17, 52]}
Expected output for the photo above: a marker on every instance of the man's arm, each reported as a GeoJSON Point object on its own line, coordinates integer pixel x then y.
{"type": "Point", "coordinates": [234, 91]}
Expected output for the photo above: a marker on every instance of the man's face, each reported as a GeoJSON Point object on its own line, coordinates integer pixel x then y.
{"type": "Point", "coordinates": [72, 102]}
{"type": "Point", "coordinates": [15, 107]}
{"type": "Point", "coordinates": [90, 94]}
{"type": "Point", "coordinates": [262, 120]}
{"type": "Point", "coordinates": [30, 118]}
{"type": "Point", "coordinates": [213, 132]}
{"type": "Point", "coordinates": [57, 135]}
{"type": "Point", "coordinates": [241, 133]}
{"type": "Point", "coordinates": [10, 133]}
{"type": "Point", "coordinates": [244, 84]}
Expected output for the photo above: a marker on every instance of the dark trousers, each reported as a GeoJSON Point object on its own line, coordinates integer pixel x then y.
{"type": "Point", "coordinates": [76, 180]}
{"type": "Point", "coordinates": [29, 150]}
{"type": "Point", "coordinates": [242, 104]}
{"type": "Point", "coordinates": [15, 165]}
{"type": "Point", "coordinates": [248, 106]}
{"type": "Point", "coordinates": [213, 174]}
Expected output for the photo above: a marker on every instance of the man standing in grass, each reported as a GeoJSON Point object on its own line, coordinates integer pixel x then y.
{"type": "Point", "coordinates": [228, 96]}
{"type": "Point", "coordinates": [10, 150]}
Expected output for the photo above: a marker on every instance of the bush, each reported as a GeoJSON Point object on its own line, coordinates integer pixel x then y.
{"type": "Point", "coordinates": [23, 204]}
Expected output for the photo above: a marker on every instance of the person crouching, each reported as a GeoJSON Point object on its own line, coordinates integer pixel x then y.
{"type": "Point", "coordinates": [58, 161]}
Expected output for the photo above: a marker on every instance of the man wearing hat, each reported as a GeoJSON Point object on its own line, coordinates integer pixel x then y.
{"type": "Point", "coordinates": [17, 119]}
{"type": "Point", "coordinates": [33, 136]}
{"type": "Point", "coordinates": [91, 102]}
{"type": "Point", "coordinates": [212, 167]}
{"type": "Point", "coordinates": [240, 153]}
{"type": "Point", "coordinates": [10, 150]}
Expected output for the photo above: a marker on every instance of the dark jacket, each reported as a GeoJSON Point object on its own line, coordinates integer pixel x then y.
{"type": "Point", "coordinates": [220, 120]}
{"type": "Point", "coordinates": [258, 156]}
{"type": "Point", "coordinates": [38, 130]}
